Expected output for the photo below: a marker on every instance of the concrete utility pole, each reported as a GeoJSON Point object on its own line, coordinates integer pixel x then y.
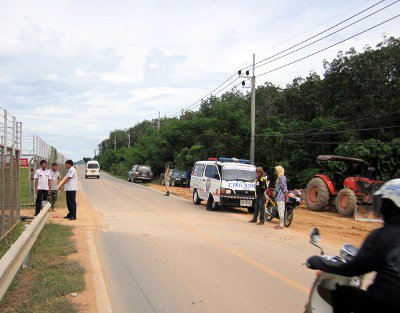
{"type": "Point", "coordinates": [94, 153]}
{"type": "Point", "coordinates": [129, 139]}
{"type": "Point", "coordinates": [253, 114]}
{"type": "Point", "coordinates": [159, 121]}
{"type": "Point", "coordinates": [115, 142]}
{"type": "Point", "coordinates": [252, 108]}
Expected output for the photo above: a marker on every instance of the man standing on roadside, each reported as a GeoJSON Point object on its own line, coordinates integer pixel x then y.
{"type": "Point", "coordinates": [70, 183]}
{"type": "Point", "coordinates": [55, 180]}
{"type": "Point", "coordinates": [167, 178]}
{"type": "Point", "coordinates": [42, 185]}
{"type": "Point", "coordinates": [259, 205]}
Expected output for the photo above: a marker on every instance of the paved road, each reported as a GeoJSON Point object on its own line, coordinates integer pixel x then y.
{"type": "Point", "coordinates": [164, 254]}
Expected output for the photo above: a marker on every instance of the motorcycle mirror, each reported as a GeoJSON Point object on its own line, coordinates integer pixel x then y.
{"type": "Point", "coordinates": [315, 236]}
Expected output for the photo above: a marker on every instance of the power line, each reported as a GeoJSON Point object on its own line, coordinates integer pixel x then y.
{"type": "Point", "coordinates": [215, 91]}
{"type": "Point", "coordinates": [314, 27]}
{"type": "Point", "coordinates": [316, 35]}
{"type": "Point", "coordinates": [330, 132]}
{"type": "Point", "coordinates": [322, 38]}
{"type": "Point", "coordinates": [330, 46]}
{"type": "Point", "coordinates": [198, 102]}
{"type": "Point", "coordinates": [194, 104]}
{"type": "Point", "coordinates": [337, 143]}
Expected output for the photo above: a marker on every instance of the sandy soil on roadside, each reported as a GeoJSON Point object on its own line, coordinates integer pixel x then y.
{"type": "Point", "coordinates": [334, 228]}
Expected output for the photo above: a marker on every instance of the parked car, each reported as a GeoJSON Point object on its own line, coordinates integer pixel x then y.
{"type": "Point", "coordinates": [92, 169]}
{"type": "Point", "coordinates": [141, 173]}
{"type": "Point", "coordinates": [178, 178]}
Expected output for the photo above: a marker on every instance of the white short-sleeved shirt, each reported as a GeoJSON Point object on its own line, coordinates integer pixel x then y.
{"type": "Point", "coordinates": [54, 179]}
{"type": "Point", "coordinates": [72, 185]}
{"type": "Point", "coordinates": [43, 177]}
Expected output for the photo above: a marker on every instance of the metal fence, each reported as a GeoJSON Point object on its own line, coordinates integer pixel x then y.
{"type": "Point", "coordinates": [34, 150]}
{"type": "Point", "coordinates": [10, 151]}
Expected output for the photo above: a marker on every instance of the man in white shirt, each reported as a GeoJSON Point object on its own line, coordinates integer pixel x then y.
{"type": "Point", "coordinates": [42, 185]}
{"type": "Point", "coordinates": [70, 183]}
{"type": "Point", "coordinates": [55, 180]}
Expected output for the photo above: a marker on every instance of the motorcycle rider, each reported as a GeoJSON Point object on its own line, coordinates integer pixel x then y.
{"type": "Point", "coordinates": [380, 252]}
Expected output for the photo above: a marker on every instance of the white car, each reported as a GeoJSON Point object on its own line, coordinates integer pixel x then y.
{"type": "Point", "coordinates": [224, 182]}
{"type": "Point", "coordinates": [92, 169]}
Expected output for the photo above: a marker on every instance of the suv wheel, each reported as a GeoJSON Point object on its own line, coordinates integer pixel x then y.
{"type": "Point", "coordinates": [196, 199]}
{"type": "Point", "coordinates": [211, 204]}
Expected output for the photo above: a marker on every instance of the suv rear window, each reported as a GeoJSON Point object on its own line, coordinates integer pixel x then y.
{"type": "Point", "coordinates": [92, 165]}
{"type": "Point", "coordinates": [144, 169]}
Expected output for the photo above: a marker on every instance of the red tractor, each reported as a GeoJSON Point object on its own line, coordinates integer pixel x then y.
{"type": "Point", "coordinates": [344, 188]}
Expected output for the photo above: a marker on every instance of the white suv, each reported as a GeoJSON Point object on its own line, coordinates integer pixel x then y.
{"type": "Point", "coordinates": [92, 169]}
{"type": "Point", "coordinates": [224, 182]}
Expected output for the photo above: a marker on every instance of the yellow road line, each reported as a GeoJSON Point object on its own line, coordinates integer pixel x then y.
{"type": "Point", "coordinates": [266, 269]}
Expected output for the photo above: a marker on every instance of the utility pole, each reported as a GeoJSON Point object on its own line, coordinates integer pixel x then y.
{"type": "Point", "coordinates": [252, 108]}
{"type": "Point", "coordinates": [129, 139]}
{"type": "Point", "coordinates": [158, 121]}
{"type": "Point", "coordinates": [115, 142]}
{"type": "Point", "coordinates": [253, 114]}
{"type": "Point", "coordinates": [94, 153]}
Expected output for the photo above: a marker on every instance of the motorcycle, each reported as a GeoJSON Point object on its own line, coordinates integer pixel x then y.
{"type": "Point", "coordinates": [320, 298]}
{"type": "Point", "coordinates": [271, 206]}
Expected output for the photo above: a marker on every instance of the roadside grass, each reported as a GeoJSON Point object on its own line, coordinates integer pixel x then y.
{"type": "Point", "coordinates": [45, 286]}
{"type": "Point", "coordinates": [6, 243]}
{"type": "Point", "coordinates": [24, 185]}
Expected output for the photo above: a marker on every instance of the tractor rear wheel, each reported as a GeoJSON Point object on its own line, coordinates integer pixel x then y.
{"type": "Point", "coordinates": [317, 195]}
{"type": "Point", "coordinates": [346, 202]}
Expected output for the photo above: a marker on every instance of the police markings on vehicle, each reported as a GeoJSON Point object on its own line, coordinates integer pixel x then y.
{"type": "Point", "coordinates": [229, 181]}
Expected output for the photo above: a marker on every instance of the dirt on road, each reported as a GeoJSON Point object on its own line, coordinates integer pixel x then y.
{"type": "Point", "coordinates": [334, 227]}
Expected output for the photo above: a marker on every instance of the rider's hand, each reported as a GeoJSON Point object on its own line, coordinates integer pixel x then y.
{"type": "Point", "coordinates": [314, 262]}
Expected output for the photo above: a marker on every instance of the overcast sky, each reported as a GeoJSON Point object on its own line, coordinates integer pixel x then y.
{"type": "Point", "coordinates": [72, 71]}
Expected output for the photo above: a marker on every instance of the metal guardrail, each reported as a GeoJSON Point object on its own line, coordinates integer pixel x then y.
{"type": "Point", "coordinates": [12, 261]}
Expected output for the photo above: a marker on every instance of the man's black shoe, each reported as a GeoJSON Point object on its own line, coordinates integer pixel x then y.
{"type": "Point", "coordinates": [252, 221]}
{"type": "Point", "coordinates": [72, 218]}
{"type": "Point", "coordinates": [67, 216]}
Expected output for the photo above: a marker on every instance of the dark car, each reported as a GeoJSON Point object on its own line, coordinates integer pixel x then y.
{"type": "Point", "coordinates": [141, 173]}
{"type": "Point", "coordinates": [178, 178]}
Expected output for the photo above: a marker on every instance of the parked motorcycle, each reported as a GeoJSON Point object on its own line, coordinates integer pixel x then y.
{"type": "Point", "coordinates": [271, 207]}
{"type": "Point", "coordinates": [320, 298]}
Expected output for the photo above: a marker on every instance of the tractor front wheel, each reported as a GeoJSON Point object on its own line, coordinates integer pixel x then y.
{"type": "Point", "coordinates": [317, 195]}
{"type": "Point", "coordinates": [346, 202]}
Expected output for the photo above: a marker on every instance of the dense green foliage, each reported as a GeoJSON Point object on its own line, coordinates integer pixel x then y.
{"type": "Point", "coordinates": [353, 110]}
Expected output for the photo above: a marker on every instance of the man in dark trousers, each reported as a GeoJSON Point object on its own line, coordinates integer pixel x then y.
{"type": "Point", "coordinates": [42, 185]}
{"type": "Point", "coordinates": [379, 253]}
{"type": "Point", "coordinates": [259, 205]}
{"type": "Point", "coordinates": [70, 183]}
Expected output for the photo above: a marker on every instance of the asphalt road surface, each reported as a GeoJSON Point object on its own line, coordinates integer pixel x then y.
{"type": "Point", "coordinates": [164, 254]}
